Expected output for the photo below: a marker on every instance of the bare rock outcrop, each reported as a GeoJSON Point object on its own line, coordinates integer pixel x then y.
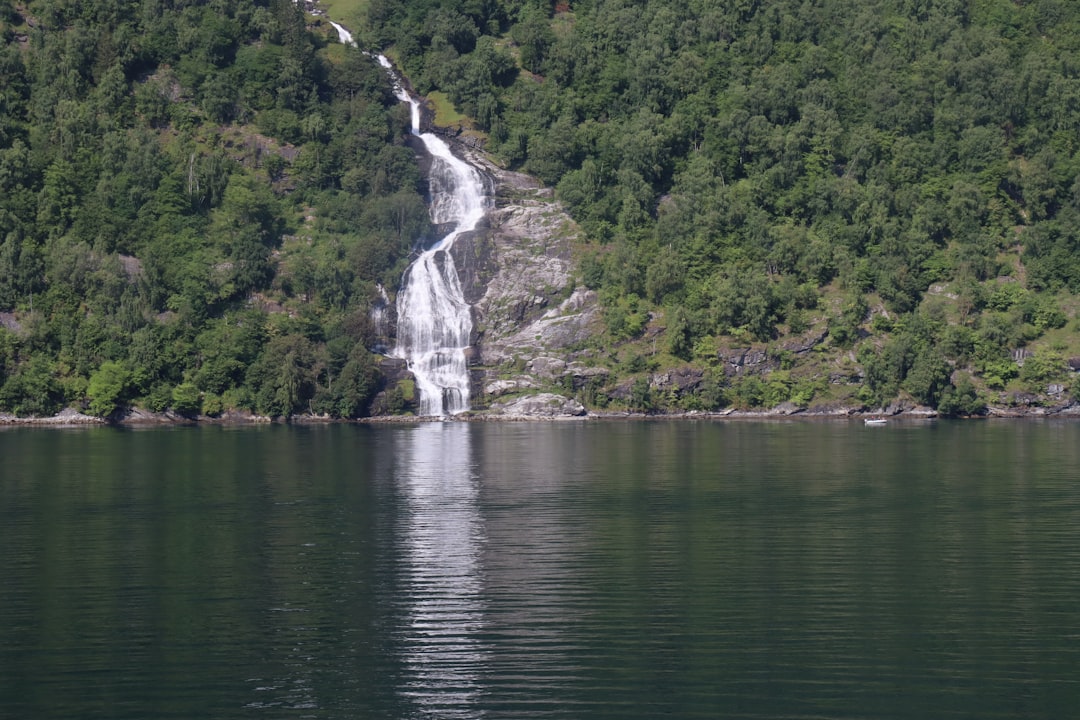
{"type": "Point", "coordinates": [530, 318]}
{"type": "Point", "coordinates": [544, 405]}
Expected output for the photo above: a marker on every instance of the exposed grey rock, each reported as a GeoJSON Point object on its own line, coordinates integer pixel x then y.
{"type": "Point", "coordinates": [394, 369]}
{"type": "Point", "coordinates": [682, 380]}
{"type": "Point", "coordinates": [518, 275]}
{"type": "Point", "coordinates": [832, 410]}
{"type": "Point", "coordinates": [806, 342]}
{"type": "Point", "coordinates": [785, 408]}
{"type": "Point", "coordinates": [896, 408]}
{"type": "Point", "coordinates": [9, 321]}
{"type": "Point", "coordinates": [67, 416]}
{"type": "Point", "coordinates": [582, 375]}
{"type": "Point", "coordinates": [544, 405]}
{"type": "Point", "coordinates": [1021, 398]}
{"type": "Point", "coordinates": [1070, 408]}
{"type": "Point", "coordinates": [502, 387]}
{"type": "Point", "coordinates": [738, 361]}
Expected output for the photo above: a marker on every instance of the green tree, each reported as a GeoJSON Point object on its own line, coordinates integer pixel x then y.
{"type": "Point", "coordinates": [107, 389]}
{"type": "Point", "coordinates": [186, 399]}
{"type": "Point", "coordinates": [928, 378]}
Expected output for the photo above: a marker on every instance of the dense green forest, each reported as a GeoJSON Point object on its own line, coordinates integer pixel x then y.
{"type": "Point", "coordinates": [903, 169]}
{"type": "Point", "coordinates": [199, 199]}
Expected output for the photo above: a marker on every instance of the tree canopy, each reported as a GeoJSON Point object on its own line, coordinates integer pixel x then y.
{"type": "Point", "coordinates": [744, 167]}
{"type": "Point", "coordinates": [197, 201]}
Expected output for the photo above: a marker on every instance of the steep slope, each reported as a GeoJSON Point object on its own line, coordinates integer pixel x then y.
{"type": "Point", "coordinates": [876, 203]}
{"type": "Point", "coordinates": [532, 317]}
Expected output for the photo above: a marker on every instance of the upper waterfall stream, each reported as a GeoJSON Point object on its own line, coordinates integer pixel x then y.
{"type": "Point", "coordinates": [434, 321]}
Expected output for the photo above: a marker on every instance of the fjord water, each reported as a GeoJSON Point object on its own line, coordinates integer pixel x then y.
{"type": "Point", "coordinates": [562, 570]}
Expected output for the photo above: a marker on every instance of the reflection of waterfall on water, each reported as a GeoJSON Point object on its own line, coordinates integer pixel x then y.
{"type": "Point", "coordinates": [442, 542]}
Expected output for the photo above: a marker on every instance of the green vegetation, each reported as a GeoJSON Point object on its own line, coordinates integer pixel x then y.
{"type": "Point", "coordinates": [197, 201]}
{"type": "Point", "coordinates": [903, 174]}
{"type": "Point", "coordinates": [348, 12]}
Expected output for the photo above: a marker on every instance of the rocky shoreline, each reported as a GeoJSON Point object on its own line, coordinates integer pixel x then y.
{"type": "Point", "coordinates": [543, 408]}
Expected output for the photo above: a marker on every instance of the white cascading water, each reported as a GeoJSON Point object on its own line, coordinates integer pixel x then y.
{"type": "Point", "coordinates": [434, 321]}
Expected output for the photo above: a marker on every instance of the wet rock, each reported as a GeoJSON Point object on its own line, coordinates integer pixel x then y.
{"type": "Point", "coordinates": [832, 410]}
{"type": "Point", "coordinates": [394, 370]}
{"type": "Point", "coordinates": [1070, 409]}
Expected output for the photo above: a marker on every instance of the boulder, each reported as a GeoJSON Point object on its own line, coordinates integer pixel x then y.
{"type": "Point", "coordinates": [547, 368]}
{"type": "Point", "coordinates": [495, 388]}
{"type": "Point", "coordinates": [544, 405]}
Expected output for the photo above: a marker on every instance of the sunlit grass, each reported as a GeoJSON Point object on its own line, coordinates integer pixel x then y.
{"type": "Point", "coordinates": [347, 12]}
{"type": "Point", "coordinates": [335, 53]}
{"type": "Point", "coordinates": [446, 115]}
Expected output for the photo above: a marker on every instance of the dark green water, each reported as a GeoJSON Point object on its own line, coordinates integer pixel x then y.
{"type": "Point", "coordinates": [637, 570]}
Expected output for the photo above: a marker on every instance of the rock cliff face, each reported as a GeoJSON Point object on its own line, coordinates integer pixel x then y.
{"type": "Point", "coordinates": [530, 318]}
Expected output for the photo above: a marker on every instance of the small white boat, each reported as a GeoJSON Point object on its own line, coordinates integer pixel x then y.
{"type": "Point", "coordinates": [874, 421]}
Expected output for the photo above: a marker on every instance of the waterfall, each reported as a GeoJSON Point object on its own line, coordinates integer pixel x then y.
{"type": "Point", "coordinates": [434, 321]}
{"type": "Point", "coordinates": [344, 35]}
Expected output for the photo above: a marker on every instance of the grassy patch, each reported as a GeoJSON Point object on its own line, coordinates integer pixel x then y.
{"type": "Point", "coordinates": [334, 53]}
{"type": "Point", "coordinates": [346, 12]}
{"type": "Point", "coordinates": [446, 115]}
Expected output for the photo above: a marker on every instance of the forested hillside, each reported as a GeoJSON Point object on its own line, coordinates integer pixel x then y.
{"type": "Point", "coordinates": [899, 175]}
{"type": "Point", "coordinates": [803, 201]}
{"type": "Point", "coordinates": [197, 201]}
